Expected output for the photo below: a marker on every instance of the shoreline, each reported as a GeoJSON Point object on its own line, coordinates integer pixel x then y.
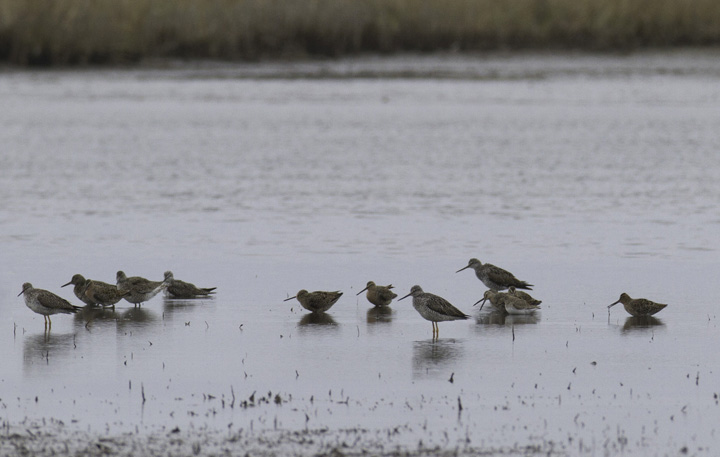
{"type": "Point", "coordinates": [490, 66]}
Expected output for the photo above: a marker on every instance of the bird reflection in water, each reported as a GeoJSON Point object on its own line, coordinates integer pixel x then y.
{"type": "Point", "coordinates": [91, 316]}
{"type": "Point", "coordinates": [435, 357]}
{"type": "Point", "coordinates": [320, 319]}
{"type": "Point", "coordinates": [136, 318]}
{"type": "Point", "coordinates": [379, 314]}
{"type": "Point", "coordinates": [45, 348]}
{"type": "Point", "coordinates": [497, 317]}
{"type": "Point", "coordinates": [181, 308]}
{"type": "Point", "coordinates": [641, 323]}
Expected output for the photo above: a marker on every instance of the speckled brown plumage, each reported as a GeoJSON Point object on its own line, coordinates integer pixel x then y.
{"type": "Point", "coordinates": [638, 306]}
{"type": "Point", "coordinates": [378, 295]}
{"type": "Point", "coordinates": [495, 278]}
{"type": "Point", "coordinates": [181, 289]}
{"type": "Point", "coordinates": [318, 301]}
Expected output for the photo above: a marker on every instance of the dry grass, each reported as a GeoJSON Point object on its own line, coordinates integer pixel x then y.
{"type": "Point", "coordinates": [51, 32]}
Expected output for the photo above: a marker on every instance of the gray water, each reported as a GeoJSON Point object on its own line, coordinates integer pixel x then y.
{"type": "Point", "coordinates": [587, 176]}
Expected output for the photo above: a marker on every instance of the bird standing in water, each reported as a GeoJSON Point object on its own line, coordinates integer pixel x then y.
{"type": "Point", "coordinates": [638, 306]}
{"type": "Point", "coordinates": [318, 301]}
{"type": "Point", "coordinates": [182, 289]}
{"type": "Point", "coordinates": [523, 296]}
{"type": "Point", "coordinates": [94, 293]}
{"type": "Point", "coordinates": [434, 308]}
{"type": "Point", "coordinates": [515, 305]}
{"type": "Point", "coordinates": [378, 295]}
{"type": "Point", "coordinates": [495, 297]}
{"type": "Point", "coordinates": [495, 278]}
{"type": "Point", "coordinates": [46, 303]}
{"type": "Point", "coordinates": [140, 289]}
{"type": "Point", "coordinates": [80, 285]}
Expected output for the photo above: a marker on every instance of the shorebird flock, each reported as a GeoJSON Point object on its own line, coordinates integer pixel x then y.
{"type": "Point", "coordinates": [135, 289]}
{"type": "Point", "coordinates": [431, 307]}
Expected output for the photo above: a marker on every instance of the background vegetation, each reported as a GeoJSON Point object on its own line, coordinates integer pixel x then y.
{"type": "Point", "coordinates": [66, 32]}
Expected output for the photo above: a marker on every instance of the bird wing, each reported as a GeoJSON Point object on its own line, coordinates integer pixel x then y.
{"type": "Point", "coordinates": [444, 307]}
{"type": "Point", "coordinates": [644, 306]}
{"type": "Point", "coordinates": [386, 294]}
{"type": "Point", "coordinates": [102, 292]}
{"type": "Point", "coordinates": [52, 301]}
{"type": "Point", "coordinates": [504, 277]}
{"type": "Point", "coordinates": [146, 286]}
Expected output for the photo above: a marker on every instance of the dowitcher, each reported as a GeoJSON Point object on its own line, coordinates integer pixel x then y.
{"type": "Point", "coordinates": [182, 289]}
{"type": "Point", "coordinates": [495, 278]}
{"type": "Point", "coordinates": [46, 303]}
{"type": "Point", "coordinates": [378, 295]}
{"type": "Point", "coordinates": [523, 296]}
{"type": "Point", "coordinates": [318, 301]}
{"type": "Point", "coordinates": [95, 293]}
{"type": "Point", "coordinates": [139, 289]}
{"type": "Point", "coordinates": [495, 297]}
{"type": "Point", "coordinates": [80, 285]}
{"type": "Point", "coordinates": [433, 308]}
{"type": "Point", "coordinates": [103, 294]}
{"type": "Point", "coordinates": [515, 305]}
{"type": "Point", "coordinates": [638, 306]}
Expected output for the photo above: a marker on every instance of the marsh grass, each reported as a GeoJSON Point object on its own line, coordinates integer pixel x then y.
{"type": "Point", "coordinates": [52, 32]}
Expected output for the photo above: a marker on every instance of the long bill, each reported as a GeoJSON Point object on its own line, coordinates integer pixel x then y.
{"type": "Point", "coordinates": [483, 300]}
{"type": "Point", "coordinates": [287, 299]}
{"type": "Point", "coordinates": [66, 284]}
{"type": "Point", "coordinates": [406, 296]}
{"type": "Point", "coordinates": [362, 291]}
{"type": "Point", "coordinates": [463, 268]}
{"type": "Point", "coordinates": [610, 306]}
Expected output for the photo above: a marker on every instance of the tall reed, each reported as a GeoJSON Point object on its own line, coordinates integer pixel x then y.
{"type": "Point", "coordinates": [50, 32]}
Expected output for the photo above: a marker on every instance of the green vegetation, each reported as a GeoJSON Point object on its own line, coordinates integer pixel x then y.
{"type": "Point", "coordinates": [66, 32]}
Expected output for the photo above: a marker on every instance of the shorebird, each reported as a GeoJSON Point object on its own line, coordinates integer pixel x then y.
{"type": "Point", "coordinates": [515, 305]}
{"type": "Point", "coordinates": [378, 295]}
{"type": "Point", "coordinates": [495, 278]}
{"type": "Point", "coordinates": [95, 293]}
{"type": "Point", "coordinates": [318, 301]}
{"type": "Point", "coordinates": [638, 306]}
{"type": "Point", "coordinates": [433, 308]}
{"type": "Point", "coordinates": [46, 303]}
{"type": "Point", "coordinates": [80, 284]}
{"type": "Point", "coordinates": [523, 296]}
{"type": "Point", "coordinates": [495, 297]}
{"type": "Point", "coordinates": [182, 289]}
{"type": "Point", "coordinates": [103, 294]}
{"type": "Point", "coordinates": [139, 289]}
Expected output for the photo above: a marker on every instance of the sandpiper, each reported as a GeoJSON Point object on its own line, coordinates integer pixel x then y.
{"type": "Point", "coordinates": [434, 308]}
{"type": "Point", "coordinates": [515, 305]}
{"type": "Point", "coordinates": [103, 294]}
{"type": "Point", "coordinates": [495, 278]}
{"type": "Point", "coordinates": [523, 296]}
{"type": "Point", "coordinates": [638, 306]}
{"type": "Point", "coordinates": [139, 289]}
{"type": "Point", "coordinates": [46, 303]}
{"type": "Point", "coordinates": [318, 301]}
{"type": "Point", "coordinates": [80, 284]}
{"type": "Point", "coordinates": [95, 293]}
{"type": "Point", "coordinates": [378, 295]}
{"type": "Point", "coordinates": [495, 297]}
{"type": "Point", "coordinates": [182, 289]}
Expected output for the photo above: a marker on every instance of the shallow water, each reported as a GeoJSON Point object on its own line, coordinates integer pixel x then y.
{"type": "Point", "coordinates": [586, 176]}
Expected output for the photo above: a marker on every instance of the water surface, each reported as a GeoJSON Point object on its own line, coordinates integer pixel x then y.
{"type": "Point", "coordinates": [586, 176]}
